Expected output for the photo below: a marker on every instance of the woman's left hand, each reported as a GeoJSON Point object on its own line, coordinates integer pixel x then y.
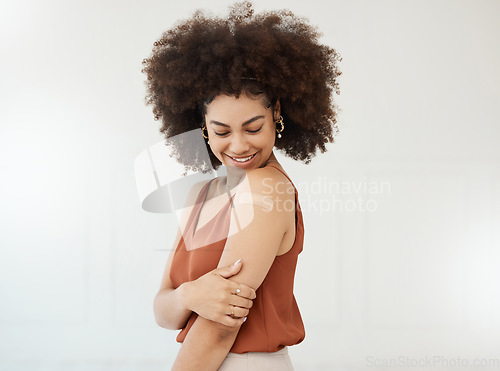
{"type": "Point", "coordinates": [218, 299]}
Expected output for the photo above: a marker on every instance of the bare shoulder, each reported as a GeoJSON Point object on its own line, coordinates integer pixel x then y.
{"type": "Point", "coordinates": [270, 181]}
{"type": "Point", "coordinates": [266, 193]}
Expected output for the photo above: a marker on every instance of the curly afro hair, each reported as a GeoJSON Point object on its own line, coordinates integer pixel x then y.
{"type": "Point", "coordinates": [274, 52]}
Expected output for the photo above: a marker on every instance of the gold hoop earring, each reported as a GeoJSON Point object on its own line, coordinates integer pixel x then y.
{"type": "Point", "coordinates": [280, 121]}
{"type": "Point", "coordinates": [203, 128]}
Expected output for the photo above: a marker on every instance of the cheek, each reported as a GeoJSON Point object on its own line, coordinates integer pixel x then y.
{"type": "Point", "coordinates": [271, 134]}
{"type": "Point", "coordinates": [217, 146]}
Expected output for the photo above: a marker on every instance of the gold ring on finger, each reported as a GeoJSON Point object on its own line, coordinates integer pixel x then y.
{"type": "Point", "coordinates": [232, 310]}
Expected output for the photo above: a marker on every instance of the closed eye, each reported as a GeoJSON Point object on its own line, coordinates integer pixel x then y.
{"type": "Point", "coordinates": [249, 131]}
{"type": "Point", "coordinates": [255, 131]}
{"type": "Point", "coordinates": [220, 134]}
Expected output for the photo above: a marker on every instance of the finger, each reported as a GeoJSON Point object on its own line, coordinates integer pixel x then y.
{"type": "Point", "coordinates": [231, 269]}
{"type": "Point", "coordinates": [233, 322]}
{"type": "Point", "coordinates": [241, 302]}
{"type": "Point", "coordinates": [244, 291]}
{"type": "Point", "coordinates": [239, 312]}
{"type": "Point", "coordinates": [236, 312]}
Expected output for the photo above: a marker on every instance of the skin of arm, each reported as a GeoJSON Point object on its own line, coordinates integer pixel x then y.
{"type": "Point", "coordinates": [208, 296]}
{"type": "Point", "coordinates": [208, 342]}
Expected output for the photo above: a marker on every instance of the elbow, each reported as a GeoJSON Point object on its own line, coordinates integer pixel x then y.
{"type": "Point", "coordinates": [160, 315]}
{"type": "Point", "coordinates": [166, 325]}
{"type": "Point", "coordinates": [161, 324]}
{"type": "Point", "coordinates": [157, 313]}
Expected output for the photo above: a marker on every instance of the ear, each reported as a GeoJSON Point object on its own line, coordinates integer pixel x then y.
{"type": "Point", "coordinates": [277, 109]}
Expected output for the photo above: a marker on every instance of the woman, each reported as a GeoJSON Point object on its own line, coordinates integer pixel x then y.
{"type": "Point", "coordinates": [252, 83]}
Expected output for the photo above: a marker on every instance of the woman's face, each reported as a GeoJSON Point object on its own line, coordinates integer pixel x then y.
{"type": "Point", "coordinates": [241, 130]}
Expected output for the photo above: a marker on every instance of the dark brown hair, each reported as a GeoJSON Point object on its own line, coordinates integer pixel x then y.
{"type": "Point", "coordinates": [273, 52]}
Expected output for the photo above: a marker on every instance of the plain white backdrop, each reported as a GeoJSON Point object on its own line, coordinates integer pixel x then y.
{"type": "Point", "coordinates": [401, 262]}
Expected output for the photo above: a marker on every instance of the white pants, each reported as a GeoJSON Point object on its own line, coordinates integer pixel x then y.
{"type": "Point", "coordinates": [258, 361]}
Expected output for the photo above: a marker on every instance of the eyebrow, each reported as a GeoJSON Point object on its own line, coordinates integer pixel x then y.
{"type": "Point", "coordinates": [245, 123]}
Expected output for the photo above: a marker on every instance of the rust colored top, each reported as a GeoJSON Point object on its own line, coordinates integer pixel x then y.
{"type": "Point", "coordinates": [274, 320]}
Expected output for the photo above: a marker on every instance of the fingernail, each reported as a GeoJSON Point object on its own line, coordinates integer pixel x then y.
{"type": "Point", "coordinates": [237, 261]}
{"type": "Point", "coordinates": [244, 319]}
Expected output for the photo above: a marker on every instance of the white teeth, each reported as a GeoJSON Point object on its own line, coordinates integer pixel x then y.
{"type": "Point", "coordinates": [242, 159]}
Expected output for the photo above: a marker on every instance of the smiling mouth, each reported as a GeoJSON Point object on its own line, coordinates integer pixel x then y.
{"type": "Point", "coordinates": [243, 159]}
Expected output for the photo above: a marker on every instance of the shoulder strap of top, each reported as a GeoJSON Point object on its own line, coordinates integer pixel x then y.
{"type": "Point", "coordinates": [200, 200]}
{"type": "Point", "coordinates": [282, 172]}
{"type": "Point", "coordinates": [202, 195]}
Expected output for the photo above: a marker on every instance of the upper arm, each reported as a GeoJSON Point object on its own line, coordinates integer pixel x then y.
{"type": "Point", "coordinates": [257, 227]}
{"type": "Point", "coordinates": [258, 223]}
{"type": "Point", "coordinates": [183, 216]}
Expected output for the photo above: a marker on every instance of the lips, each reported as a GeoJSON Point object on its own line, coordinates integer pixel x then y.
{"type": "Point", "coordinates": [243, 159]}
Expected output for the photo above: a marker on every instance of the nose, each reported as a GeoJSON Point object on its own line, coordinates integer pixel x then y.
{"type": "Point", "coordinates": [239, 145]}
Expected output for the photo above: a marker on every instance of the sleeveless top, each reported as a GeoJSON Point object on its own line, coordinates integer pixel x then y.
{"type": "Point", "coordinates": [274, 321]}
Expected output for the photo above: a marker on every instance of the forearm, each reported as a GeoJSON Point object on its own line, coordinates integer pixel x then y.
{"type": "Point", "coordinates": [205, 346]}
{"type": "Point", "coordinates": [170, 308]}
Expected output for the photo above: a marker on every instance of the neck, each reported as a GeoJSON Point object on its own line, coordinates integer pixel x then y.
{"type": "Point", "coordinates": [271, 158]}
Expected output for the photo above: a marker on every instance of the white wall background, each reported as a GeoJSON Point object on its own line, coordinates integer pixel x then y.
{"type": "Point", "coordinates": [401, 263]}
